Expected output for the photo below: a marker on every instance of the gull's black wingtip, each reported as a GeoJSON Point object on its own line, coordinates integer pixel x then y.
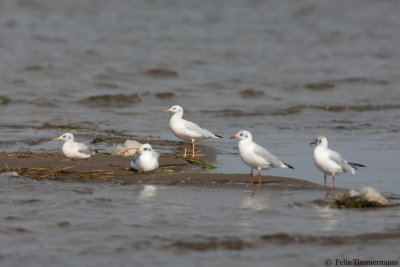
{"type": "Point", "coordinates": [289, 166]}
{"type": "Point", "coordinates": [218, 136]}
{"type": "Point", "coordinates": [355, 165]}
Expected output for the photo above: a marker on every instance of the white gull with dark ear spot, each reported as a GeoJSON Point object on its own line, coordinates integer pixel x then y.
{"type": "Point", "coordinates": [145, 159]}
{"type": "Point", "coordinates": [331, 162]}
{"type": "Point", "coordinates": [256, 156]}
{"type": "Point", "coordinates": [74, 150]}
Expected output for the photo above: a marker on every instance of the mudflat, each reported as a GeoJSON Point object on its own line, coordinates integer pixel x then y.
{"type": "Point", "coordinates": [102, 167]}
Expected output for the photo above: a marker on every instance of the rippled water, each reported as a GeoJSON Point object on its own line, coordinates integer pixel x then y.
{"type": "Point", "coordinates": [286, 70]}
{"type": "Point", "coordinates": [55, 223]}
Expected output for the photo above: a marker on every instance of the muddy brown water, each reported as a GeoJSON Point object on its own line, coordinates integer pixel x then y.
{"type": "Point", "coordinates": [288, 71]}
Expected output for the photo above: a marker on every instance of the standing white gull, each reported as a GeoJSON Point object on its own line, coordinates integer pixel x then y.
{"type": "Point", "coordinates": [256, 156]}
{"type": "Point", "coordinates": [74, 150]}
{"type": "Point", "coordinates": [187, 130]}
{"type": "Point", "coordinates": [145, 159]}
{"type": "Point", "coordinates": [331, 162]}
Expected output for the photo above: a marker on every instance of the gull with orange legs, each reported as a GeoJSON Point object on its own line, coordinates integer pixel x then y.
{"type": "Point", "coordinates": [331, 162]}
{"type": "Point", "coordinates": [256, 156]}
{"type": "Point", "coordinates": [187, 130]}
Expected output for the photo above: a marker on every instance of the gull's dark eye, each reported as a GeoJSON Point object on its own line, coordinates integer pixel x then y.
{"type": "Point", "coordinates": [241, 134]}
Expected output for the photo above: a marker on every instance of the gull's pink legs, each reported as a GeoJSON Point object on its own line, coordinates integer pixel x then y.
{"type": "Point", "coordinates": [259, 177]}
{"type": "Point", "coordinates": [325, 181]}
{"type": "Point", "coordinates": [251, 177]}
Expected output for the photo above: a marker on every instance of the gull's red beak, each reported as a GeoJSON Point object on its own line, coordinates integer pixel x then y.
{"type": "Point", "coordinates": [233, 137]}
{"type": "Point", "coordinates": [166, 110]}
{"type": "Point", "coordinates": [55, 139]}
{"type": "Point", "coordinates": [313, 143]}
{"type": "Point", "coordinates": [138, 152]}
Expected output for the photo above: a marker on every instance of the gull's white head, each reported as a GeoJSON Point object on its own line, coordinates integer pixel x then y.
{"type": "Point", "coordinates": [145, 148]}
{"type": "Point", "coordinates": [320, 141]}
{"type": "Point", "coordinates": [243, 135]}
{"type": "Point", "coordinates": [175, 109]}
{"type": "Point", "coordinates": [65, 137]}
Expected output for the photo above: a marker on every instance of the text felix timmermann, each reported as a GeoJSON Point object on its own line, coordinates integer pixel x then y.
{"type": "Point", "coordinates": [355, 262]}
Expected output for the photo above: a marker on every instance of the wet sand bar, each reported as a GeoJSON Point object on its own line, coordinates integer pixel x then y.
{"type": "Point", "coordinates": [172, 170]}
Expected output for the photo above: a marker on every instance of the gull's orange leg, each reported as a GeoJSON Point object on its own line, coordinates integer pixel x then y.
{"type": "Point", "coordinates": [193, 149]}
{"type": "Point", "coordinates": [185, 150]}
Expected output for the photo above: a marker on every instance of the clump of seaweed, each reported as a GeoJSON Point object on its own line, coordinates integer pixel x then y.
{"type": "Point", "coordinates": [201, 163]}
{"type": "Point", "coordinates": [346, 201]}
{"type": "Point", "coordinates": [368, 197]}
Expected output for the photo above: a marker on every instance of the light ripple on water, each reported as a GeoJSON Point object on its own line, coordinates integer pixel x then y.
{"type": "Point", "coordinates": [167, 220]}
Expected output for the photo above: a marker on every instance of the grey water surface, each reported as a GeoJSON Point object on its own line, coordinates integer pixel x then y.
{"type": "Point", "coordinates": [288, 71]}
{"type": "Point", "coordinates": [74, 224]}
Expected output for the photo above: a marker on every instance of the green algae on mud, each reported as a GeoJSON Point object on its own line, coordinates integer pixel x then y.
{"type": "Point", "coordinates": [173, 170]}
{"type": "Point", "coordinates": [41, 166]}
{"type": "Point", "coordinates": [201, 163]}
{"type": "Point", "coordinates": [345, 201]}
